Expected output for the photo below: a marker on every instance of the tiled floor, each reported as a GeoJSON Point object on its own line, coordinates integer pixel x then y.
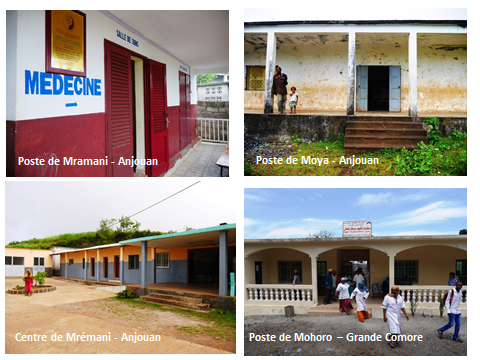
{"type": "Point", "coordinates": [201, 161]}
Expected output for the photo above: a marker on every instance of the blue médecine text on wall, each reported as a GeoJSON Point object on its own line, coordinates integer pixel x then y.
{"type": "Point", "coordinates": [40, 83]}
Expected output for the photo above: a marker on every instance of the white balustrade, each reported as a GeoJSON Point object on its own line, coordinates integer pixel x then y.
{"type": "Point", "coordinates": [290, 293]}
{"type": "Point", "coordinates": [428, 294]}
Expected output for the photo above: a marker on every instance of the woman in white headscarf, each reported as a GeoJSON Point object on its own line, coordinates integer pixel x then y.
{"type": "Point", "coordinates": [392, 305]}
{"type": "Point", "coordinates": [361, 294]}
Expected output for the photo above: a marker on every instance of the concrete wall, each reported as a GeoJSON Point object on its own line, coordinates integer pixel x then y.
{"type": "Point", "coordinates": [270, 265]}
{"type": "Point", "coordinates": [434, 262]}
{"type": "Point", "coordinates": [445, 87]}
{"type": "Point", "coordinates": [319, 71]}
{"type": "Point", "coordinates": [215, 110]}
{"type": "Point", "coordinates": [176, 273]}
{"type": "Point", "coordinates": [29, 254]}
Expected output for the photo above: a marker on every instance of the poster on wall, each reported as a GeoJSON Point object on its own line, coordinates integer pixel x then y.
{"type": "Point", "coordinates": [65, 51]}
{"type": "Point", "coordinates": [357, 228]}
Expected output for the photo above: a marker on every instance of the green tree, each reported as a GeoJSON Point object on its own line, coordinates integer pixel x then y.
{"type": "Point", "coordinates": [206, 78]}
{"type": "Point", "coordinates": [104, 231]}
{"type": "Point", "coordinates": [128, 226]}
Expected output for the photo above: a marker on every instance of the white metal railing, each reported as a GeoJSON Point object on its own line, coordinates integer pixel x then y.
{"type": "Point", "coordinates": [278, 292]}
{"type": "Point", "coordinates": [214, 129]}
{"type": "Point", "coordinates": [426, 294]}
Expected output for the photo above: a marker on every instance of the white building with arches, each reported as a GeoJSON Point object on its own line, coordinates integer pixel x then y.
{"type": "Point", "coordinates": [422, 261]}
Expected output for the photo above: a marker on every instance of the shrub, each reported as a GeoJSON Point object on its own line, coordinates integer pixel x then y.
{"type": "Point", "coordinates": [126, 294]}
{"type": "Point", "coordinates": [248, 169]}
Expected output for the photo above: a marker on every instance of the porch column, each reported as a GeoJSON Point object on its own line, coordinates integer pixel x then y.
{"type": "Point", "coordinates": [412, 70]}
{"type": "Point", "coordinates": [86, 266]}
{"type": "Point", "coordinates": [98, 265]}
{"type": "Point", "coordinates": [351, 74]}
{"type": "Point", "coordinates": [223, 266]}
{"type": "Point", "coordinates": [122, 279]}
{"type": "Point", "coordinates": [391, 269]}
{"type": "Point", "coordinates": [66, 265]}
{"type": "Point", "coordinates": [314, 279]}
{"type": "Point", "coordinates": [271, 58]}
{"type": "Point", "coordinates": [143, 266]}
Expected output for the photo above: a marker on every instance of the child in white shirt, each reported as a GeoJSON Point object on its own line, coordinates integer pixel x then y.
{"type": "Point", "coordinates": [293, 100]}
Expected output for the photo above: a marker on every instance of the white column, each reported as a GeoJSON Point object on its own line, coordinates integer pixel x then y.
{"type": "Point", "coordinates": [412, 70]}
{"type": "Point", "coordinates": [391, 269]}
{"type": "Point", "coordinates": [314, 279]}
{"type": "Point", "coordinates": [351, 74]}
{"type": "Point", "coordinates": [271, 58]}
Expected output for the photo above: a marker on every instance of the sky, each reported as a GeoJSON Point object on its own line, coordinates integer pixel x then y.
{"type": "Point", "coordinates": [354, 13]}
{"type": "Point", "coordinates": [46, 208]}
{"type": "Point", "coordinates": [296, 213]}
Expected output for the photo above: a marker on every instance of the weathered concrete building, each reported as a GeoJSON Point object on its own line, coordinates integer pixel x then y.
{"type": "Point", "coordinates": [357, 66]}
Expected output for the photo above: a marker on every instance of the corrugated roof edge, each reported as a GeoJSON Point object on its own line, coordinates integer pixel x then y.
{"type": "Point", "coordinates": [191, 232]}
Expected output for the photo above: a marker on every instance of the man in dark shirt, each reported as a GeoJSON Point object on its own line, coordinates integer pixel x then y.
{"type": "Point", "coordinates": [279, 88]}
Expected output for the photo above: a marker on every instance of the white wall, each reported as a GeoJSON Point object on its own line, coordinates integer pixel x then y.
{"type": "Point", "coordinates": [28, 33]}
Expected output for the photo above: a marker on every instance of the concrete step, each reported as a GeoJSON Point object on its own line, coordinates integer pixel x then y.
{"type": "Point", "coordinates": [356, 148]}
{"type": "Point", "coordinates": [384, 140]}
{"type": "Point", "coordinates": [384, 124]}
{"type": "Point", "coordinates": [191, 300]}
{"type": "Point", "coordinates": [325, 311]}
{"type": "Point", "coordinates": [175, 303]}
{"type": "Point", "coordinates": [384, 132]}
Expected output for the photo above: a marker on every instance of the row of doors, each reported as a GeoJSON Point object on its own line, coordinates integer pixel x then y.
{"type": "Point", "coordinates": [119, 114]}
{"type": "Point", "coordinates": [116, 267]}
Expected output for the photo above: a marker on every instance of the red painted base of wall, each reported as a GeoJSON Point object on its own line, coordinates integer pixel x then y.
{"type": "Point", "coordinates": [80, 137]}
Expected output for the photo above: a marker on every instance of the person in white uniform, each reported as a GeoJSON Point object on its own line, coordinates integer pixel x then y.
{"type": "Point", "coordinates": [452, 304]}
{"type": "Point", "coordinates": [343, 296]}
{"type": "Point", "coordinates": [361, 294]}
{"type": "Point", "coordinates": [392, 305]}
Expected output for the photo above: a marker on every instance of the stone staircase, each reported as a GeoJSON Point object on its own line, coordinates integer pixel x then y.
{"type": "Point", "coordinates": [332, 309]}
{"type": "Point", "coordinates": [184, 300]}
{"type": "Point", "coordinates": [368, 136]}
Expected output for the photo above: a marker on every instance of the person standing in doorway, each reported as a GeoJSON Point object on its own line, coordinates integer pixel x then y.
{"type": "Point", "coordinates": [452, 304]}
{"type": "Point", "coordinates": [328, 287]}
{"type": "Point", "coordinates": [279, 88]}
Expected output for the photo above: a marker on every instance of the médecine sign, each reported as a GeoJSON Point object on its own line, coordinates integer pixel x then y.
{"type": "Point", "coordinates": [357, 228]}
{"type": "Point", "coordinates": [40, 83]}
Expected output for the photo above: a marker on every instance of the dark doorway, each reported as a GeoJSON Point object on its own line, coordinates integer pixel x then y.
{"type": "Point", "coordinates": [378, 88]}
{"type": "Point", "coordinates": [258, 272]}
{"type": "Point", "coordinates": [92, 267]}
{"type": "Point", "coordinates": [105, 267]}
{"type": "Point", "coordinates": [116, 266]}
{"type": "Point", "coordinates": [134, 116]}
{"type": "Point", "coordinates": [321, 275]}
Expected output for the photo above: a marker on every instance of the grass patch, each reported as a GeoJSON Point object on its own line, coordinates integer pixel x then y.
{"type": "Point", "coordinates": [448, 157]}
{"type": "Point", "coordinates": [223, 322]}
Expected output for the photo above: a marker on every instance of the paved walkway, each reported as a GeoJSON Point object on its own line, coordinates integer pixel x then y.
{"type": "Point", "coordinates": [201, 161]}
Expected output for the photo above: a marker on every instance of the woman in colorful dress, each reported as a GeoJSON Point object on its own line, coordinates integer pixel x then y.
{"type": "Point", "coordinates": [28, 283]}
{"type": "Point", "coordinates": [343, 296]}
{"type": "Point", "coordinates": [361, 294]}
{"type": "Point", "coordinates": [392, 305]}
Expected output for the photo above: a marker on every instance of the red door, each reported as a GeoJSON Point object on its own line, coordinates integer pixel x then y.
{"type": "Point", "coordinates": [190, 121]}
{"type": "Point", "coordinates": [158, 126]}
{"type": "Point", "coordinates": [183, 111]}
{"type": "Point", "coordinates": [118, 109]}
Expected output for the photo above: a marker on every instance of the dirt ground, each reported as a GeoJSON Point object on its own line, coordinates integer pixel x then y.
{"type": "Point", "coordinates": [80, 309]}
{"type": "Point", "coordinates": [341, 325]}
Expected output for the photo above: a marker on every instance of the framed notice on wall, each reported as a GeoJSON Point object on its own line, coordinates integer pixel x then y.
{"type": "Point", "coordinates": [66, 42]}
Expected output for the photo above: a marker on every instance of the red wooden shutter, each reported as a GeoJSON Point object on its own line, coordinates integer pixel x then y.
{"type": "Point", "coordinates": [119, 110]}
{"type": "Point", "coordinates": [158, 119]}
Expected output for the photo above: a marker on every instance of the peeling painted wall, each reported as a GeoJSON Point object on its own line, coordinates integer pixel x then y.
{"type": "Point", "coordinates": [319, 69]}
{"type": "Point", "coordinates": [442, 78]}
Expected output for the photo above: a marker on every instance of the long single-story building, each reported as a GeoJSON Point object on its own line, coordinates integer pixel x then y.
{"type": "Point", "coordinates": [106, 93]}
{"type": "Point", "coordinates": [423, 261]}
{"type": "Point", "coordinates": [192, 257]}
